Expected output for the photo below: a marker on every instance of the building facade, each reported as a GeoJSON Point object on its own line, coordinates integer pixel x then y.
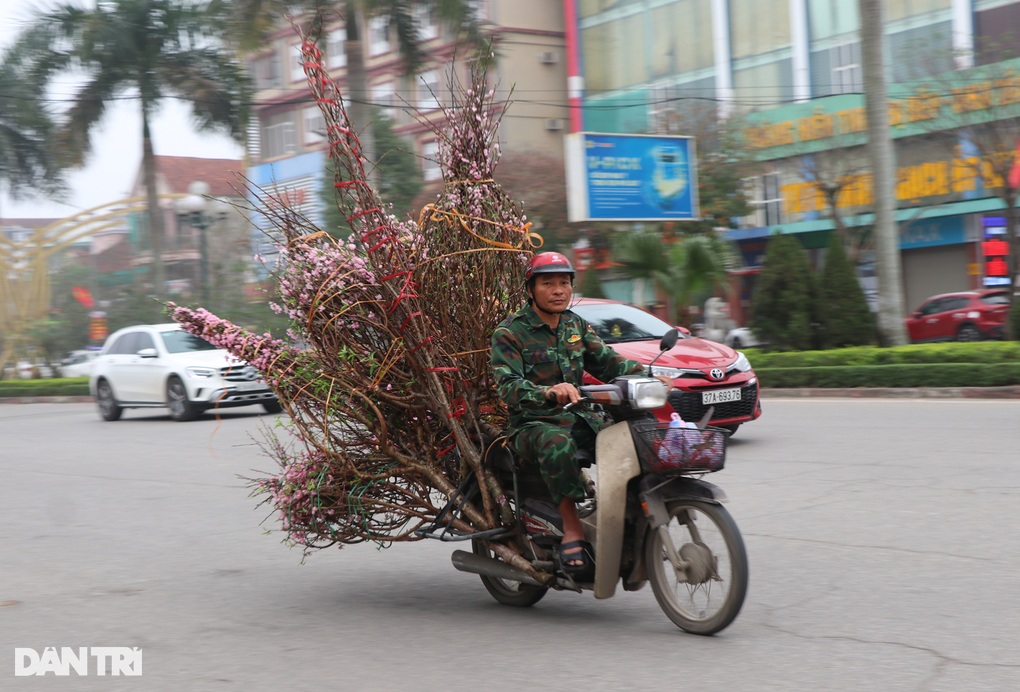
{"type": "Point", "coordinates": [788, 74]}
{"type": "Point", "coordinates": [287, 157]}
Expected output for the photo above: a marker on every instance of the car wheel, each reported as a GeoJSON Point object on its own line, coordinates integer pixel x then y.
{"type": "Point", "coordinates": [737, 343]}
{"type": "Point", "coordinates": [272, 406]}
{"type": "Point", "coordinates": [109, 409]}
{"type": "Point", "coordinates": [181, 408]}
{"type": "Point", "coordinates": [968, 332]}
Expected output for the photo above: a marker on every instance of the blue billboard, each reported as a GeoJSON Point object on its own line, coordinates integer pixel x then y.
{"type": "Point", "coordinates": [614, 177]}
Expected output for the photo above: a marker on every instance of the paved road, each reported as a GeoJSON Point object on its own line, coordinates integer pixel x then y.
{"type": "Point", "coordinates": [882, 536]}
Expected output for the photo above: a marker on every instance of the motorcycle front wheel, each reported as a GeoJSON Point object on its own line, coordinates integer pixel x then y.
{"type": "Point", "coordinates": [704, 592]}
{"type": "Point", "coordinates": [511, 593]}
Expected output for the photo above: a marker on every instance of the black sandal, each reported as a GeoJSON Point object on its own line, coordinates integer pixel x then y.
{"type": "Point", "coordinates": [586, 567]}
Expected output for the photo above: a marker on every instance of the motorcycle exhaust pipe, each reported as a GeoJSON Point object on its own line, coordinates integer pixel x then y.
{"type": "Point", "coordinates": [489, 567]}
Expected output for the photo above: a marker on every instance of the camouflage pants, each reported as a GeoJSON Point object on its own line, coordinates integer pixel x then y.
{"type": "Point", "coordinates": [554, 449]}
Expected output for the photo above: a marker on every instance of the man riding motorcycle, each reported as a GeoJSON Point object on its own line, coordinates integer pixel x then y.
{"type": "Point", "coordinates": [539, 355]}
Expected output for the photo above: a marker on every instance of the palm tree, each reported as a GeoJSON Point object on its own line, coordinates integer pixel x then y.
{"type": "Point", "coordinates": [149, 50]}
{"type": "Point", "coordinates": [254, 19]}
{"type": "Point", "coordinates": [684, 271]}
{"type": "Point", "coordinates": [28, 159]}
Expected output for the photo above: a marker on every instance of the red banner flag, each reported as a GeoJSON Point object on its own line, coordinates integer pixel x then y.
{"type": "Point", "coordinates": [83, 296]}
{"type": "Point", "coordinates": [1014, 172]}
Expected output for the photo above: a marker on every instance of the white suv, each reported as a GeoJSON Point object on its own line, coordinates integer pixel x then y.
{"type": "Point", "coordinates": [153, 365]}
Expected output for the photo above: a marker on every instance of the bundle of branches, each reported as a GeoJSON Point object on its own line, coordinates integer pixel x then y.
{"type": "Point", "coordinates": [395, 382]}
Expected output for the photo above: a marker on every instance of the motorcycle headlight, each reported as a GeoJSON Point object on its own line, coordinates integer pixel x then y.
{"type": "Point", "coordinates": [202, 373]}
{"type": "Point", "coordinates": [741, 363]}
{"type": "Point", "coordinates": [647, 393]}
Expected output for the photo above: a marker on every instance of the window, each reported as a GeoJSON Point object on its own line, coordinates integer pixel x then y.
{"type": "Point", "coordinates": [425, 18]}
{"type": "Point", "coordinates": [759, 26]}
{"type": "Point", "coordinates": [428, 90]}
{"type": "Point", "coordinates": [297, 64]}
{"type": "Point", "coordinates": [143, 340]}
{"type": "Point", "coordinates": [383, 96]}
{"type": "Point", "coordinates": [766, 200]}
{"type": "Point", "coordinates": [278, 135]}
{"type": "Point", "coordinates": [479, 9]}
{"type": "Point", "coordinates": [183, 342]}
{"type": "Point", "coordinates": [429, 163]}
{"type": "Point", "coordinates": [846, 68]}
{"type": "Point", "coordinates": [313, 126]}
{"type": "Point", "coordinates": [267, 72]}
{"type": "Point", "coordinates": [335, 48]}
{"type": "Point", "coordinates": [678, 39]}
{"type": "Point", "coordinates": [124, 344]}
{"type": "Point", "coordinates": [379, 35]}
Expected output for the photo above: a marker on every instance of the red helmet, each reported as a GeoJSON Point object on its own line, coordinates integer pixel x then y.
{"type": "Point", "coordinates": [548, 263]}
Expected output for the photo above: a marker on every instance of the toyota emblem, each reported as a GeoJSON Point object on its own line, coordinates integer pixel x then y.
{"type": "Point", "coordinates": [717, 374]}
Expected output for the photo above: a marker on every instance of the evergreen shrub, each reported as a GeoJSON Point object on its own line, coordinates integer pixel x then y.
{"type": "Point", "coordinates": [844, 316]}
{"type": "Point", "coordinates": [782, 308]}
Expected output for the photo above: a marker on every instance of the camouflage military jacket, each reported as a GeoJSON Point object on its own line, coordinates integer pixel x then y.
{"type": "Point", "coordinates": [528, 357]}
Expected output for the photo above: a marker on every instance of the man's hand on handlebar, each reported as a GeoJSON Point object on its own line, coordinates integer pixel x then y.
{"type": "Point", "coordinates": [563, 393]}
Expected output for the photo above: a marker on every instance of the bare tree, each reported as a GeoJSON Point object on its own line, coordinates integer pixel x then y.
{"type": "Point", "coordinates": [976, 119]}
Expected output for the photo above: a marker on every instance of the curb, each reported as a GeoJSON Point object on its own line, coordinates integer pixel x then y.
{"type": "Point", "coordinates": [86, 399]}
{"type": "Point", "coordinates": [1007, 392]}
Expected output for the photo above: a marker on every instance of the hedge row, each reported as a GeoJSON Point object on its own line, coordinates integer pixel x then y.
{"type": "Point", "coordinates": [902, 375]}
{"type": "Point", "coordinates": [981, 352]}
{"type": "Point", "coordinates": [68, 386]}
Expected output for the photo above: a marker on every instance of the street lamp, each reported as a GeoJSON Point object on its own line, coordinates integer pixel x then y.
{"type": "Point", "coordinates": [197, 206]}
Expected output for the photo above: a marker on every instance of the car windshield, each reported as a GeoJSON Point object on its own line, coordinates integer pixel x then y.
{"type": "Point", "coordinates": [181, 342]}
{"type": "Point", "coordinates": [616, 323]}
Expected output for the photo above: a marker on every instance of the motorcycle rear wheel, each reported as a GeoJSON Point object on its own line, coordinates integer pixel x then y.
{"type": "Point", "coordinates": [511, 593]}
{"type": "Point", "coordinates": [705, 535]}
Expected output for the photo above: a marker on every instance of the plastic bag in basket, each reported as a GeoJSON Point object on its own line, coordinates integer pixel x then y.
{"type": "Point", "coordinates": [676, 443]}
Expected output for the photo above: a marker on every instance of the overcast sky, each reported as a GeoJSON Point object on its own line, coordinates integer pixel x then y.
{"type": "Point", "coordinates": [116, 145]}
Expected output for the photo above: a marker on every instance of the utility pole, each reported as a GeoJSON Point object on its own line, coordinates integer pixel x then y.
{"type": "Point", "coordinates": [891, 309]}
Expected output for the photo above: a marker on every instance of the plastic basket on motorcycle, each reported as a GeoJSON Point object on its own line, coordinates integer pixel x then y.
{"type": "Point", "coordinates": [666, 450]}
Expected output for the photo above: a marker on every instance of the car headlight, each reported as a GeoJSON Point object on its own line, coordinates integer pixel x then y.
{"type": "Point", "coordinates": [671, 373]}
{"type": "Point", "coordinates": [203, 373]}
{"type": "Point", "coordinates": [741, 363]}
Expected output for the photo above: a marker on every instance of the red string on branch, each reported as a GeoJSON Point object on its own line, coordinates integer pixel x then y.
{"type": "Point", "coordinates": [424, 341]}
{"type": "Point", "coordinates": [403, 325]}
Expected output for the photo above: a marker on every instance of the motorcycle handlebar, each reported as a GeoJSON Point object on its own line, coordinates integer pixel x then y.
{"type": "Point", "coordinates": [582, 400]}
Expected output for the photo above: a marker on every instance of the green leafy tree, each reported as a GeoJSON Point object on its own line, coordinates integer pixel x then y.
{"type": "Point", "coordinates": [400, 178]}
{"type": "Point", "coordinates": [250, 21]}
{"type": "Point", "coordinates": [538, 181]}
{"type": "Point", "coordinates": [685, 271]}
{"type": "Point", "coordinates": [28, 160]}
{"type": "Point", "coordinates": [844, 316]}
{"type": "Point", "coordinates": [591, 285]}
{"type": "Point", "coordinates": [150, 50]}
{"type": "Point", "coordinates": [782, 309]}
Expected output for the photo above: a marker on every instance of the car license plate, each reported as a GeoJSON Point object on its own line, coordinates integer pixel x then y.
{"type": "Point", "coordinates": [720, 396]}
{"type": "Point", "coordinates": [249, 386]}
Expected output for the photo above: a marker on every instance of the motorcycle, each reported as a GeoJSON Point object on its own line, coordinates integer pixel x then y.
{"type": "Point", "coordinates": [651, 517]}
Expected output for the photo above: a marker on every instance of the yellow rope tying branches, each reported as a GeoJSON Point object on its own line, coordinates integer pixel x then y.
{"type": "Point", "coordinates": [457, 217]}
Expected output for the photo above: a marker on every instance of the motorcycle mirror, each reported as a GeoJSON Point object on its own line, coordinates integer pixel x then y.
{"type": "Point", "coordinates": [669, 340]}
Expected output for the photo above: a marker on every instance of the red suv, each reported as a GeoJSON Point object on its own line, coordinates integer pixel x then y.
{"type": "Point", "coordinates": [704, 372]}
{"type": "Point", "coordinates": [963, 316]}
